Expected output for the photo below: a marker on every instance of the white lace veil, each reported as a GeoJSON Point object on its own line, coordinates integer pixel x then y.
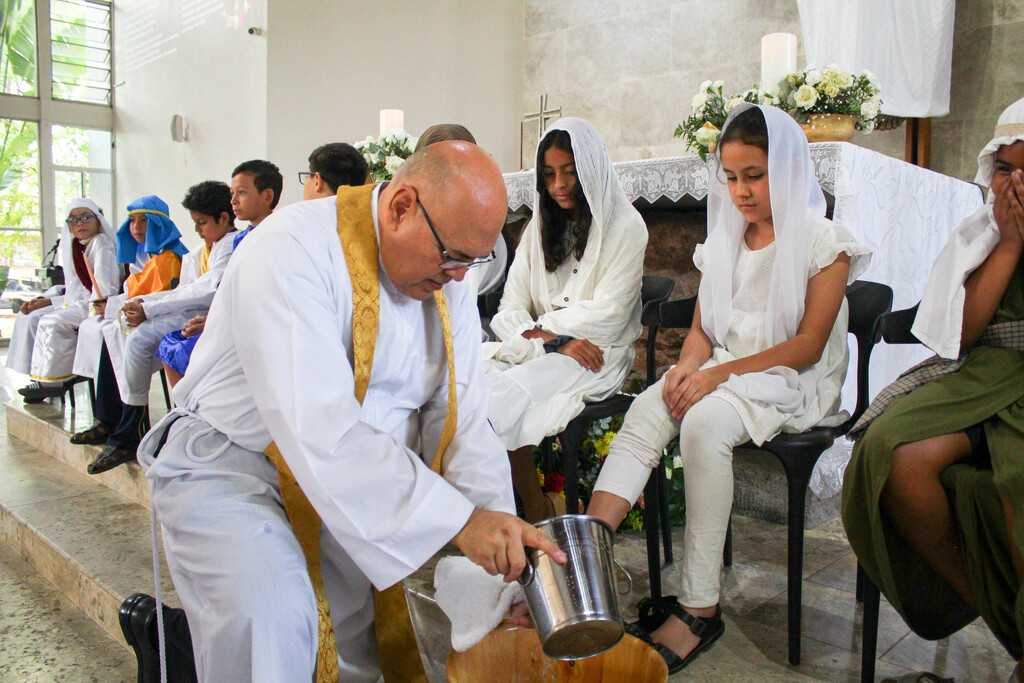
{"type": "Point", "coordinates": [798, 205]}
{"type": "Point", "coordinates": [65, 234]}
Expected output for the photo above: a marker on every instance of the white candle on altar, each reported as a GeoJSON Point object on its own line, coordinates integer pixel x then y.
{"type": "Point", "coordinates": [391, 118]}
{"type": "Point", "coordinates": [778, 58]}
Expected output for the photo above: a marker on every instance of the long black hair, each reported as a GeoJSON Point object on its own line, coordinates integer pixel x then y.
{"type": "Point", "coordinates": [554, 220]}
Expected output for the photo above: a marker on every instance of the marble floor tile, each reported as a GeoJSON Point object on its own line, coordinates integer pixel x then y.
{"type": "Point", "coordinates": [970, 654]}
{"type": "Point", "coordinates": [46, 638]}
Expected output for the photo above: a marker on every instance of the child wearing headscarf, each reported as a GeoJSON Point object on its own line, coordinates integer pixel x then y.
{"type": "Point", "coordinates": [767, 353]}
{"type": "Point", "coordinates": [46, 329]}
{"type": "Point", "coordinates": [570, 311]}
{"type": "Point", "coordinates": [933, 497]}
{"type": "Point", "coordinates": [148, 243]}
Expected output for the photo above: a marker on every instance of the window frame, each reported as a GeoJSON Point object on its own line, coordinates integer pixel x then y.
{"type": "Point", "coordinates": [47, 112]}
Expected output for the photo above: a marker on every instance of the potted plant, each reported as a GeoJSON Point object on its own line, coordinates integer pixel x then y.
{"type": "Point", "coordinates": [709, 109]}
{"type": "Point", "coordinates": [831, 103]}
{"type": "Point", "coordinates": [385, 154]}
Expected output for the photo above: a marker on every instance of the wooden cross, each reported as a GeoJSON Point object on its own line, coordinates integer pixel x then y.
{"type": "Point", "coordinates": [541, 116]}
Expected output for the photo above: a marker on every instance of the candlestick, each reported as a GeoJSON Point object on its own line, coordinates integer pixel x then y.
{"type": "Point", "coordinates": [390, 119]}
{"type": "Point", "coordinates": [778, 58]}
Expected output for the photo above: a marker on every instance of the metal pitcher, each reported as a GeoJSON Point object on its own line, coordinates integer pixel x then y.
{"type": "Point", "coordinates": [574, 606]}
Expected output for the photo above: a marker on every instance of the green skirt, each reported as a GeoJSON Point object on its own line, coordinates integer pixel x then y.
{"type": "Point", "coordinates": [988, 390]}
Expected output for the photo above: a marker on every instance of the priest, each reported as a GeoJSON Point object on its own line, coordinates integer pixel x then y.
{"type": "Point", "coordinates": [335, 411]}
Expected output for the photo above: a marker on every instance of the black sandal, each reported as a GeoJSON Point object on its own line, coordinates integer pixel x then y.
{"type": "Point", "coordinates": [708, 629]}
{"type": "Point", "coordinates": [109, 458]}
{"type": "Point", "coordinates": [94, 436]}
{"type": "Point", "coordinates": [653, 613]}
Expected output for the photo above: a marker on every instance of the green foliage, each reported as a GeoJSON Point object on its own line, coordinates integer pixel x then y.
{"type": "Point", "coordinates": [709, 109]}
{"type": "Point", "coordinates": [18, 47]}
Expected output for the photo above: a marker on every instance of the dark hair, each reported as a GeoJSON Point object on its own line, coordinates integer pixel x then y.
{"type": "Point", "coordinates": [554, 220]}
{"type": "Point", "coordinates": [444, 131]}
{"type": "Point", "coordinates": [211, 198]}
{"type": "Point", "coordinates": [749, 128]}
{"type": "Point", "coordinates": [338, 163]}
{"type": "Point", "coordinates": [265, 176]}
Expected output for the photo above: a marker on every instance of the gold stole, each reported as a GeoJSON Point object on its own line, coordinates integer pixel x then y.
{"type": "Point", "coordinates": [204, 259]}
{"type": "Point", "coordinates": [396, 640]}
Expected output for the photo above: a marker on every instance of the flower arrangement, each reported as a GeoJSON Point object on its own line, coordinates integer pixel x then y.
{"type": "Point", "coordinates": [710, 108]}
{"type": "Point", "coordinates": [385, 154]}
{"type": "Point", "coordinates": [831, 90]}
{"type": "Point", "coordinates": [593, 451]}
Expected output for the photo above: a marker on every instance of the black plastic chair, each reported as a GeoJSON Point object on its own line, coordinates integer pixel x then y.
{"type": "Point", "coordinates": [893, 328]}
{"type": "Point", "coordinates": [798, 453]}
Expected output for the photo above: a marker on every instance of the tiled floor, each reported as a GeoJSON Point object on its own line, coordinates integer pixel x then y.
{"type": "Point", "coordinates": [44, 637]}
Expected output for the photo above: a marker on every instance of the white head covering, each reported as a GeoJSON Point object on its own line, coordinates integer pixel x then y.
{"type": "Point", "coordinates": [605, 293]}
{"type": "Point", "coordinates": [1009, 129]}
{"type": "Point", "coordinates": [798, 205]}
{"type": "Point", "coordinates": [940, 316]}
{"type": "Point", "coordinates": [65, 234]}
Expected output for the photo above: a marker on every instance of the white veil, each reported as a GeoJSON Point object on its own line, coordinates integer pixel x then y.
{"type": "Point", "coordinates": [66, 259]}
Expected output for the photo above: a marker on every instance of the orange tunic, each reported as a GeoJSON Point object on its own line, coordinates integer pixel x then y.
{"type": "Point", "coordinates": [156, 275]}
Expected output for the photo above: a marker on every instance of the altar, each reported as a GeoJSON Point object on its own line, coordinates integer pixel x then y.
{"type": "Point", "coordinates": [903, 213]}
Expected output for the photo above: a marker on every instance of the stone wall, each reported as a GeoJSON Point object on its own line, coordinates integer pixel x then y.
{"type": "Point", "coordinates": [632, 66]}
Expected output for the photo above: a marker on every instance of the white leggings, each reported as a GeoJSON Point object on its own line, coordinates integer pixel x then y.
{"type": "Point", "coordinates": [707, 434]}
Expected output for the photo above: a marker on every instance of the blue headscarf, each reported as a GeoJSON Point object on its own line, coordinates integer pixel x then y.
{"type": "Point", "coordinates": [161, 232]}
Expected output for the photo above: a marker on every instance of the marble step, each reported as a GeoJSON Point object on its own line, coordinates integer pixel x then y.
{"type": "Point", "coordinates": [89, 541]}
{"type": "Point", "coordinates": [47, 638]}
{"type": "Point", "coordinates": [47, 426]}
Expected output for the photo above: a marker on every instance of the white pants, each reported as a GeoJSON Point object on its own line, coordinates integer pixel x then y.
{"type": "Point", "coordinates": [19, 354]}
{"type": "Point", "coordinates": [707, 434]}
{"type": "Point", "coordinates": [132, 354]}
{"type": "Point", "coordinates": [53, 353]}
{"type": "Point", "coordinates": [238, 569]}
{"type": "Point", "coordinates": [87, 349]}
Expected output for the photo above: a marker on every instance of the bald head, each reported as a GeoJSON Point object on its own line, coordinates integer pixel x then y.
{"type": "Point", "coordinates": [462, 192]}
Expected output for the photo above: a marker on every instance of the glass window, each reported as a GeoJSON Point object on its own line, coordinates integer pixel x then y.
{"type": "Point", "coordinates": [82, 167]}
{"type": "Point", "coordinates": [19, 193]}
{"type": "Point", "coordinates": [18, 47]}
{"type": "Point", "coordinates": [80, 50]}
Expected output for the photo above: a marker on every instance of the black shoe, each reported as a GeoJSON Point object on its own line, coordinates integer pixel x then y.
{"type": "Point", "coordinates": [137, 617]}
{"type": "Point", "coordinates": [110, 457]}
{"type": "Point", "coordinates": [708, 629]}
{"type": "Point", "coordinates": [36, 392]}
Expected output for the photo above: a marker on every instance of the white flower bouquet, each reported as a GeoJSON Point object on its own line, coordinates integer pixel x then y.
{"type": "Point", "coordinates": [709, 108]}
{"type": "Point", "coordinates": [385, 154]}
{"type": "Point", "coordinates": [831, 90]}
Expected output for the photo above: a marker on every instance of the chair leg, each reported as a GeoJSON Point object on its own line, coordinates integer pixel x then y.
{"type": "Point", "coordinates": [727, 551]}
{"type": "Point", "coordinates": [869, 637]}
{"type": "Point", "coordinates": [651, 531]}
{"type": "Point", "coordinates": [663, 512]}
{"type": "Point", "coordinates": [571, 438]}
{"type": "Point", "coordinates": [92, 395]}
{"type": "Point", "coordinates": [71, 395]}
{"type": "Point", "coordinates": [167, 393]}
{"type": "Point", "coordinates": [859, 590]}
{"type": "Point", "coordinates": [795, 557]}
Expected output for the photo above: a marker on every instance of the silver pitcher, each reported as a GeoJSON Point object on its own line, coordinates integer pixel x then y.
{"type": "Point", "coordinates": [574, 606]}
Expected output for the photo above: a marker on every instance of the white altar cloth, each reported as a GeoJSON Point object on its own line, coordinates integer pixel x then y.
{"type": "Point", "coordinates": [904, 213]}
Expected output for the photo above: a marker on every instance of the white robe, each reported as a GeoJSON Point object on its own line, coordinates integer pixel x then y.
{"type": "Point", "coordinates": [596, 298]}
{"type": "Point", "coordinates": [275, 363]}
{"type": "Point", "coordinates": [54, 337]}
{"type": "Point", "coordinates": [132, 349]}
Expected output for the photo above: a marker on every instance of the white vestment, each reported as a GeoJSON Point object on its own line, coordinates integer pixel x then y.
{"type": "Point", "coordinates": [596, 298]}
{"type": "Point", "coordinates": [131, 349]}
{"type": "Point", "coordinates": [90, 332]}
{"type": "Point", "coordinates": [275, 363]}
{"type": "Point", "coordinates": [53, 344]}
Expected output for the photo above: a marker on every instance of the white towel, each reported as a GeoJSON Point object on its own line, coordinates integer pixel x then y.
{"type": "Point", "coordinates": [473, 600]}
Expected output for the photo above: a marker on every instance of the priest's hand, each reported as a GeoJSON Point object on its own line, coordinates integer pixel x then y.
{"type": "Point", "coordinates": [194, 326]}
{"type": "Point", "coordinates": [586, 354]}
{"type": "Point", "coordinates": [134, 313]}
{"type": "Point", "coordinates": [495, 540]}
{"type": "Point", "coordinates": [519, 615]}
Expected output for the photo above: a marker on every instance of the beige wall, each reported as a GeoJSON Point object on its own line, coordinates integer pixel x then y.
{"type": "Point", "coordinates": [330, 72]}
{"type": "Point", "coordinates": [632, 66]}
{"type": "Point", "coordinates": [185, 57]}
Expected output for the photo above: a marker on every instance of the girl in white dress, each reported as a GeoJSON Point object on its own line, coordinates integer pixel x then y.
{"type": "Point", "coordinates": [570, 311]}
{"type": "Point", "coordinates": [767, 352]}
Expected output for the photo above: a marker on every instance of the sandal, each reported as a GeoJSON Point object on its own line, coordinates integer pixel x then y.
{"type": "Point", "coordinates": [109, 458]}
{"type": "Point", "coordinates": [96, 435]}
{"type": "Point", "coordinates": [653, 613]}
{"type": "Point", "coordinates": [708, 629]}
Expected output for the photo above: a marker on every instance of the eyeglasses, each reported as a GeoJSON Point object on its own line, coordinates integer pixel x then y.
{"type": "Point", "coordinates": [85, 218]}
{"type": "Point", "coordinates": [304, 176]}
{"type": "Point", "coordinates": [448, 261]}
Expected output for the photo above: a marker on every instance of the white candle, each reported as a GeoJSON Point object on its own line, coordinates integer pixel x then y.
{"type": "Point", "coordinates": [778, 58]}
{"type": "Point", "coordinates": [391, 118]}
